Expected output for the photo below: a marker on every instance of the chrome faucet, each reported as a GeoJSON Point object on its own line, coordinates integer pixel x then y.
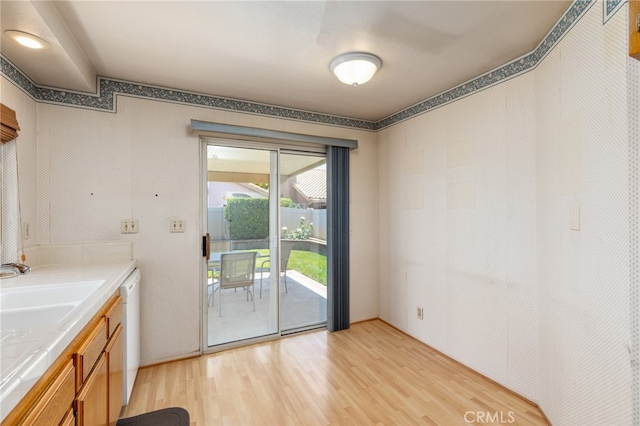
{"type": "Point", "coordinates": [17, 268]}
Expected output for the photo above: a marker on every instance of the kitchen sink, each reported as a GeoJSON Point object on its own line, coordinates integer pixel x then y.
{"type": "Point", "coordinates": [45, 295]}
{"type": "Point", "coordinates": [34, 317]}
{"type": "Point", "coordinates": [24, 308]}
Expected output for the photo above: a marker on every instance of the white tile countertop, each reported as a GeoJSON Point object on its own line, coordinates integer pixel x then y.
{"type": "Point", "coordinates": [90, 272]}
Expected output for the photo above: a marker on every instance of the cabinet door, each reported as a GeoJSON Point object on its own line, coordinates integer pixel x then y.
{"type": "Point", "coordinates": [69, 419]}
{"type": "Point", "coordinates": [92, 401]}
{"type": "Point", "coordinates": [115, 362]}
{"type": "Point", "coordinates": [56, 400]}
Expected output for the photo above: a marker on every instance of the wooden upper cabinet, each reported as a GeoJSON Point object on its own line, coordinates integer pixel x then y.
{"type": "Point", "coordinates": [634, 29]}
{"type": "Point", "coordinates": [8, 124]}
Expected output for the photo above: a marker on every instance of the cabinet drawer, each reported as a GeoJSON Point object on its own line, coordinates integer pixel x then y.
{"type": "Point", "coordinates": [89, 351]}
{"type": "Point", "coordinates": [56, 401]}
{"type": "Point", "coordinates": [114, 316]}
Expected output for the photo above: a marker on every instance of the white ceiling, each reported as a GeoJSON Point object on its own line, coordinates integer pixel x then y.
{"type": "Point", "coordinates": [277, 52]}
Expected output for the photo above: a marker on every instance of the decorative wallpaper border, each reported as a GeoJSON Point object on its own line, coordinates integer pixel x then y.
{"type": "Point", "coordinates": [108, 89]}
{"type": "Point", "coordinates": [610, 7]}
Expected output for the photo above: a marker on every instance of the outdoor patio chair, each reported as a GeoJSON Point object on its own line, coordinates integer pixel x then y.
{"type": "Point", "coordinates": [213, 287]}
{"type": "Point", "coordinates": [285, 252]}
{"type": "Point", "coordinates": [237, 270]}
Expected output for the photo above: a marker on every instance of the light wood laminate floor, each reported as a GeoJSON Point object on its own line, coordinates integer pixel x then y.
{"type": "Point", "coordinates": [369, 374]}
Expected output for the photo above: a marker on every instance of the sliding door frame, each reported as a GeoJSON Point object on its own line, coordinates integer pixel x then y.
{"type": "Point", "coordinates": [337, 155]}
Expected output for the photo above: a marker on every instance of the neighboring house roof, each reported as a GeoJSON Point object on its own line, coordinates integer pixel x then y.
{"type": "Point", "coordinates": [312, 184]}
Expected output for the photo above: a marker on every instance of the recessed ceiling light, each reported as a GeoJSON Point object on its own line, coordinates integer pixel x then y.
{"type": "Point", "coordinates": [355, 68]}
{"type": "Point", "coordinates": [28, 40]}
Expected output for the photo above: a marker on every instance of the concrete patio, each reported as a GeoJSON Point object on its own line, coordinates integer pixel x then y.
{"type": "Point", "coordinates": [304, 304]}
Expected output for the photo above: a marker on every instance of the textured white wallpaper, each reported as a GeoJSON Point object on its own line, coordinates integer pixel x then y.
{"type": "Point", "coordinates": [633, 102]}
{"type": "Point", "coordinates": [468, 254]}
{"type": "Point", "coordinates": [25, 146]}
{"type": "Point", "coordinates": [584, 275]}
{"type": "Point", "coordinates": [9, 209]}
{"type": "Point", "coordinates": [508, 287]}
{"type": "Point", "coordinates": [96, 169]}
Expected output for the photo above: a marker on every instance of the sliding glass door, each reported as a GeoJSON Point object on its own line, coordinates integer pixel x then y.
{"type": "Point", "coordinates": [303, 244]}
{"type": "Point", "coordinates": [266, 220]}
{"type": "Point", "coordinates": [242, 226]}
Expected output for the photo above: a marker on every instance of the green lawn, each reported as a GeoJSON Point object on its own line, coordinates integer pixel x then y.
{"type": "Point", "coordinates": [309, 264]}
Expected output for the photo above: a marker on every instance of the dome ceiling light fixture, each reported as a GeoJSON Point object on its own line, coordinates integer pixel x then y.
{"type": "Point", "coordinates": [28, 40]}
{"type": "Point", "coordinates": [355, 68]}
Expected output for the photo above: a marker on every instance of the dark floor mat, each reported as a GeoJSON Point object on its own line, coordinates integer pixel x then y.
{"type": "Point", "coordinates": [174, 416]}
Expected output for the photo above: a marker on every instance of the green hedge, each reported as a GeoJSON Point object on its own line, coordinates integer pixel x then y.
{"type": "Point", "coordinates": [248, 218]}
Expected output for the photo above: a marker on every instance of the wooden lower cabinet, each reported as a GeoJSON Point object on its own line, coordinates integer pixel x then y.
{"type": "Point", "coordinates": [115, 364]}
{"type": "Point", "coordinates": [99, 399]}
{"type": "Point", "coordinates": [84, 386]}
{"type": "Point", "coordinates": [56, 400]}
{"type": "Point", "coordinates": [93, 400]}
{"type": "Point", "coordinates": [69, 419]}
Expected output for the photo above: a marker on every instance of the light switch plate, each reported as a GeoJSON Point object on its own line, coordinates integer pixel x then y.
{"type": "Point", "coordinates": [176, 225]}
{"type": "Point", "coordinates": [128, 226]}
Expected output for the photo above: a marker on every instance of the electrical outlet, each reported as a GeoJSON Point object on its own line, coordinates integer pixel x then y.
{"type": "Point", "coordinates": [176, 225]}
{"type": "Point", "coordinates": [128, 226]}
{"type": "Point", "coordinates": [26, 231]}
{"type": "Point", "coordinates": [420, 312]}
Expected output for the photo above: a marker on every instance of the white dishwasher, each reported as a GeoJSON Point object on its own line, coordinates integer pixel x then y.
{"type": "Point", "coordinates": [130, 293]}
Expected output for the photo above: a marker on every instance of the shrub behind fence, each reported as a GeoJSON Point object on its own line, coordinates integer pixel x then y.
{"type": "Point", "coordinates": [219, 228]}
{"type": "Point", "coordinates": [248, 218]}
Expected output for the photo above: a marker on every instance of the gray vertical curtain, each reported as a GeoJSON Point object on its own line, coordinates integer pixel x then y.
{"type": "Point", "coordinates": [338, 238]}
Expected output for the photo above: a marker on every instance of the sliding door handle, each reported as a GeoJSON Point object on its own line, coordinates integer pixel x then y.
{"type": "Point", "coordinates": [206, 247]}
